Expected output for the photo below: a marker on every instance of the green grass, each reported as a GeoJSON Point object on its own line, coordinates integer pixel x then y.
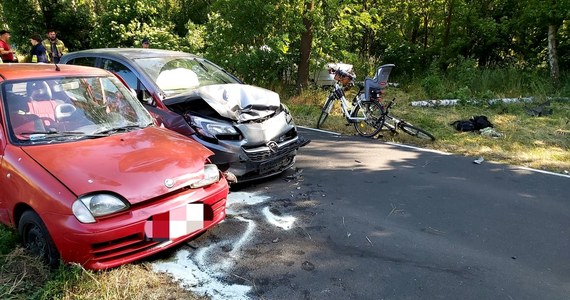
{"type": "Point", "coordinates": [536, 142]}
{"type": "Point", "coordinates": [25, 277]}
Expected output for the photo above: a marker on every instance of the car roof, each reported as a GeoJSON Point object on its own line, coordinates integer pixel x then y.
{"type": "Point", "coordinates": [132, 53]}
{"type": "Point", "coordinates": [9, 71]}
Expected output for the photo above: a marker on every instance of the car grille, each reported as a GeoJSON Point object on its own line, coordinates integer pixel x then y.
{"type": "Point", "coordinates": [136, 243]}
{"type": "Point", "coordinates": [264, 153]}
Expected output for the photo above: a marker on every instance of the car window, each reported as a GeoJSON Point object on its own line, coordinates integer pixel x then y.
{"type": "Point", "coordinates": [83, 61]}
{"type": "Point", "coordinates": [77, 107]}
{"type": "Point", "coordinates": [130, 79]}
{"type": "Point", "coordinates": [176, 75]}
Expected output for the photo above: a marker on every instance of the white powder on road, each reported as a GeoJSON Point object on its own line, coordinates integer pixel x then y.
{"type": "Point", "coordinates": [203, 271]}
{"type": "Point", "coordinates": [285, 222]}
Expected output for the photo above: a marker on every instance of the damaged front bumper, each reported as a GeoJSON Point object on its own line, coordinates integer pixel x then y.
{"type": "Point", "coordinates": [251, 163]}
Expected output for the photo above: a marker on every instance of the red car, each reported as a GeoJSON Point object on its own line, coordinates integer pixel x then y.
{"type": "Point", "coordinates": [87, 176]}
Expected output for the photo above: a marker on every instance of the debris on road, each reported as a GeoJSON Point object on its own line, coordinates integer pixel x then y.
{"type": "Point", "coordinates": [307, 266]}
{"type": "Point", "coordinates": [305, 231]}
{"type": "Point", "coordinates": [479, 160]}
{"type": "Point", "coordinates": [395, 210]}
{"type": "Point", "coordinates": [348, 234]}
{"type": "Point", "coordinates": [295, 175]}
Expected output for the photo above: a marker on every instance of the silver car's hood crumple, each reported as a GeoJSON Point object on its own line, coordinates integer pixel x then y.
{"type": "Point", "coordinates": [239, 102]}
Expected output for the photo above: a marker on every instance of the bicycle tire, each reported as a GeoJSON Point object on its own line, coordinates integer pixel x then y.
{"type": "Point", "coordinates": [373, 115]}
{"type": "Point", "coordinates": [325, 111]}
{"type": "Point", "coordinates": [415, 131]}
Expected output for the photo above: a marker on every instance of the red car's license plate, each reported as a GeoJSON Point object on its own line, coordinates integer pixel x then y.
{"type": "Point", "coordinates": [173, 224]}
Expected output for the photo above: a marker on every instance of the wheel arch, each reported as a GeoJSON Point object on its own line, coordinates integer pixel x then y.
{"type": "Point", "coordinates": [19, 210]}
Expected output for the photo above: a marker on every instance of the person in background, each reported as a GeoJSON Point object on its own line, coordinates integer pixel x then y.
{"type": "Point", "coordinates": [145, 43]}
{"type": "Point", "coordinates": [38, 52]}
{"type": "Point", "coordinates": [6, 52]}
{"type": "Point", "coordinates": [54, 46]}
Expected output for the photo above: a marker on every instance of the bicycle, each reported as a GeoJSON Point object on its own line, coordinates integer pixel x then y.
{"type": "Point", "coordinates": [365, 115]}
{"type": "Point", "coordinates": [393, 123]}
{"type": "Point", "coordinates": [368, 115]}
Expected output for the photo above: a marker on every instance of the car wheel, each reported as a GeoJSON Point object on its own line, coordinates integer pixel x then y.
{"type": "Point", "coordinates": [36, 238]}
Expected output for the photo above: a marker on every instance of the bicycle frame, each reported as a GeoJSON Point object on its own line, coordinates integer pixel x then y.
{"type": "Point", "coordinates": [366, 113]}
{"type": "Point", "coordinates": [387, 117]}
{"type": "Point", "coordinates": [393, 123]}
{"type": "Point", "coordinates": [344, 106]}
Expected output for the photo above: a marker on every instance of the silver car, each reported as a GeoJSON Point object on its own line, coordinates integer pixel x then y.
{"type": "Point", "coordinates": [248, 128]}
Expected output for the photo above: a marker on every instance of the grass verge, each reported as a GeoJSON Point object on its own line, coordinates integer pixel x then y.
{"type": "Point", "coordinates": [25, 277]}
{"type": "Point", "coordinates": [526, 140]}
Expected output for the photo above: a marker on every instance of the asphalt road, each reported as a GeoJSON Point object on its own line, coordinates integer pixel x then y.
{"type": "Point", "coordinates": [362, 219]}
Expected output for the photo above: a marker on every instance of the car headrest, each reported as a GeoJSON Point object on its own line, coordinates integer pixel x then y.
{"type": "Point", "coordinates": [39, 90]}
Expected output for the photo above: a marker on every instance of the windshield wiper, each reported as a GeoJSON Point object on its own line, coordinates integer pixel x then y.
{"type": "Point", "coordinates": [201, 65]}
{"type": "Point", "coordinates": [126, 128]}
{"type": "Point", "coordinates": [41, 135]}
{"type": "Point", "coordinates": [53, 132]}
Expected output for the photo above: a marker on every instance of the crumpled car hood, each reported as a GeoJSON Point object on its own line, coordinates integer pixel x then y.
{"type": "Point", "coordinates": [238, 102]}
{"type": "Point", "coordinates": [134, 165]}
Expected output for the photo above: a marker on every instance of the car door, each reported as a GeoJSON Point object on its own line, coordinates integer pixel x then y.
{"type": "Point", "coordinates": [4, 216]}
{"type": "Point", "coordinates": [163, 115]}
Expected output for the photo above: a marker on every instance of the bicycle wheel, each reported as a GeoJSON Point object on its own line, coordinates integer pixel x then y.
{"type": "Point", "coordinates": [370, 118]}
{"type": "Point", "coordinates": [415, 131]}
{"type": "Point", "coordinates": [325, 111]}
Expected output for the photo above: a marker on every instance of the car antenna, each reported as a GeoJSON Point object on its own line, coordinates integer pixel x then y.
{"type": "Point", "coordinates": [56, 67]}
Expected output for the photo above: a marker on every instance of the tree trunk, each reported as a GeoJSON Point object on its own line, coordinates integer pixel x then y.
{"type": "Point", "coordinates": [552, 56]}
{"type": "Point", "coordinates": [366, 37]}
{"type": "Point", "coordinates": [448, 19]}
{"type": "Point", "coordinates": [306, 46]}
{"type": "Point", "coordinates": [426, 23]}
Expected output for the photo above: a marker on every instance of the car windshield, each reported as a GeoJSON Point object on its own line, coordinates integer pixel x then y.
{"type": "Point", "coordinates": [70, 108]}
{"type": "Point", "coordinates": [177, 75]}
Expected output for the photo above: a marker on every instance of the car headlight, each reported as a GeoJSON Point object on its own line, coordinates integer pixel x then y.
{"type": "Point", "coordinates": [87, 208]}
{"type": "Point", "coordinates": [211, 175]}
{"type": "Point", "coordinates": [212, 129]}
{"type": "Point", "coordinates": [288, 116]}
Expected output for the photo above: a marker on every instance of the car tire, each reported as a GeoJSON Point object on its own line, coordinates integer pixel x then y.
{"type": "Point", "coordinates": [36, 238]}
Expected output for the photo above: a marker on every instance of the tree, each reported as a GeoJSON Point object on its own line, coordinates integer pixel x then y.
{"type": "Point", "coordinates": [124, 23]}
{"type": "Point", "coordinates": [306, 45]}
{"type": "Point", "coordinates": [547, 16]}
{"type": "Point", "coordinates": [71, 19]}
{"type": "Point", "coordinates": [255, 39]}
